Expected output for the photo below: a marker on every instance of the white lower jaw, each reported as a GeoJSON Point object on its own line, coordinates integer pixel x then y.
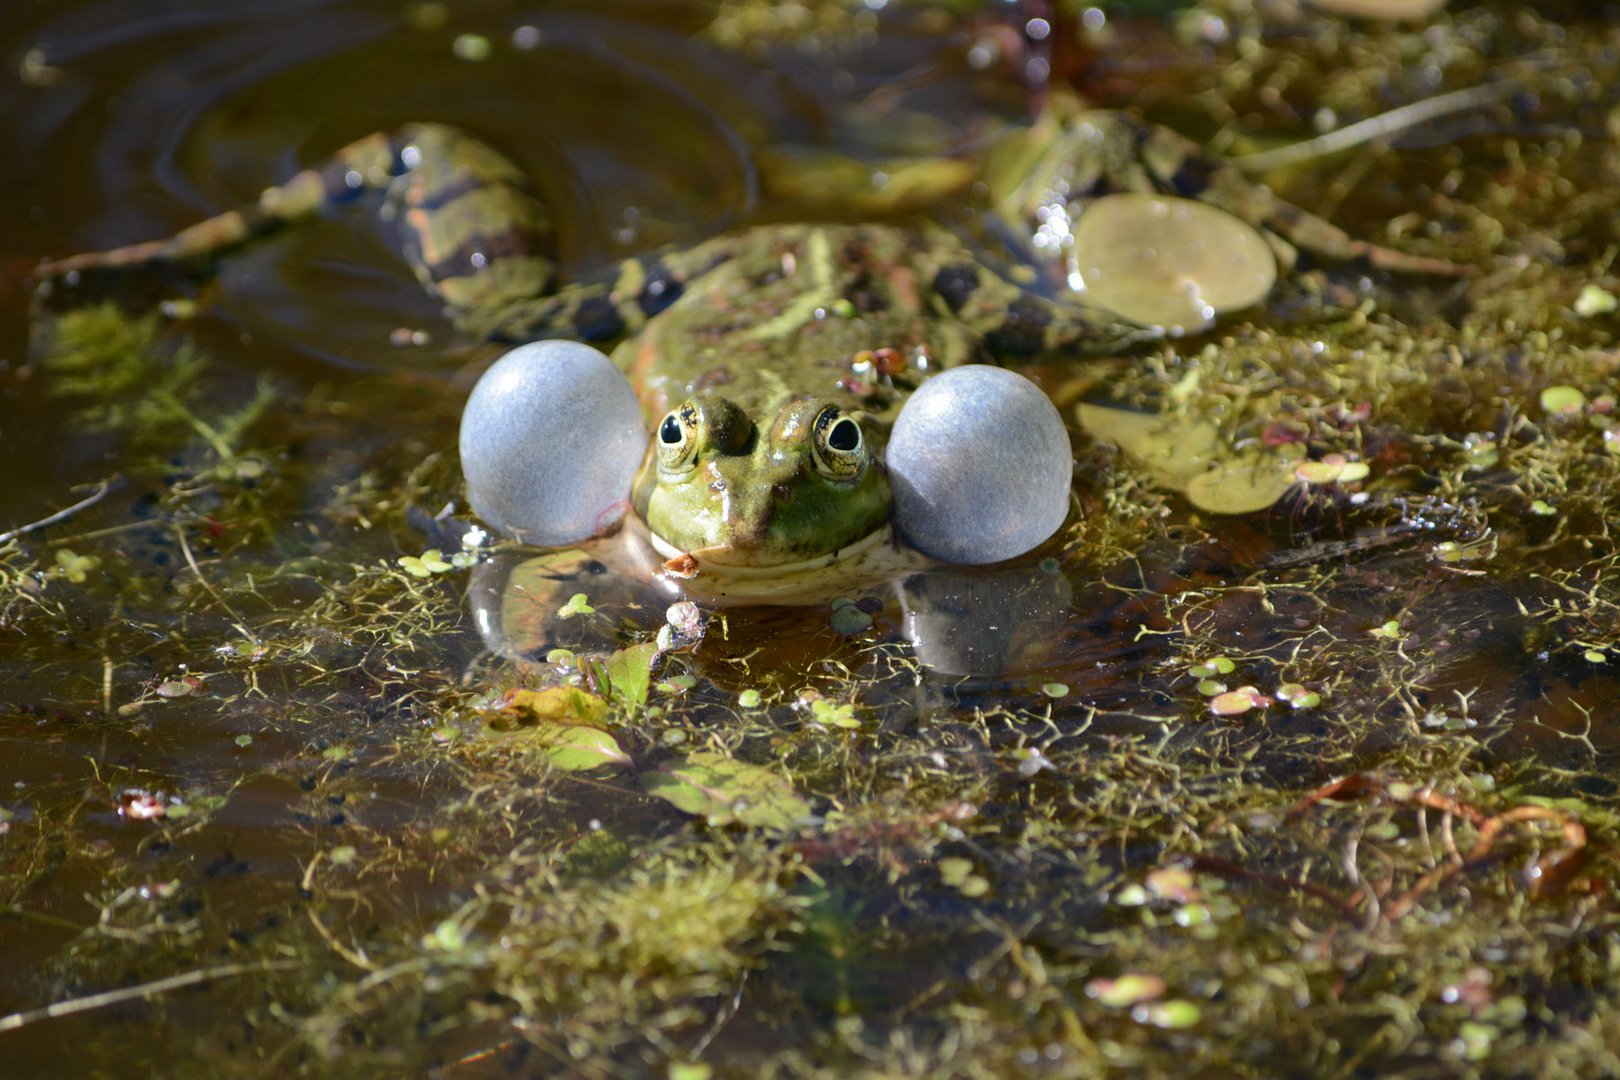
{"type": "Point", "coordinates": [874, 557]}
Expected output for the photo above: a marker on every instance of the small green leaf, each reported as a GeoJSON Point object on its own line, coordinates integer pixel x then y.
{"type": "Point", "coordinates": [1594, 300]}
{"type": "Point", "coordinates": [1562, 400]}
{"type": "Point", "coordinates": [75, 567]}
{"type": "Point", "coordinates": [839, 716]}
{"type": "Point", "coordinates": [576, 748]}
{"type": "Point", "coordinates": [1332, 469]}
{"type": "Point", "coordinates": [628, 674]}
{"type": "Point", "coordinates": [847, 619]}
{"type": "Point", "coordinates": [551, 705]}
{"type": "Point", "coordinates": [727, 792]}
{"type": "Point", "coordinates": [749, 699]}
{"type": "Point", "coordinates": [1168, 1014]}
{"type": "Point", "coordinates": [1129, 989]}
{"type": "Point", "coordinates": [427, 564]}
{"type": "Point", "coordinates": [577, 604]}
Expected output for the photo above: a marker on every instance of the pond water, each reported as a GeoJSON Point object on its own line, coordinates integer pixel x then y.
{"type": "Point", "coordinates": [278, 800]}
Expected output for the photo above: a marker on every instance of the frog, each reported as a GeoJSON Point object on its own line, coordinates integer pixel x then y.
{"type": "Point", "coordinates": [773, 362]}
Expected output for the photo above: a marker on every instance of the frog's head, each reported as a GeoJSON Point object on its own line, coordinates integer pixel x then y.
{"type": "Point", "coordinates": [732, 492]}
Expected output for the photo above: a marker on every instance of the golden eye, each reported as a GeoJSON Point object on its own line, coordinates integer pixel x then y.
{"type": "Point", "coordinates": [836, 445]}
{"type": "Point", "coordinates": [677, 439]}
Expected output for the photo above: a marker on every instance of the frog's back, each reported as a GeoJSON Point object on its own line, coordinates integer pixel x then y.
{"type": "Point", "coordinates": [785, 310]}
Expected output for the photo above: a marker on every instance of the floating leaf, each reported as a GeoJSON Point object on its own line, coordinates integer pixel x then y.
{"type": "Point", "coordinates": [578, 604]}
{"type": "Point", "coordinates": [577, 748]}
{"type": "Point", "coordinates": [1168, 1014]}
{"type": "Point", "coordinates": [1387, 10]}
{"type": "Point", "coordinates": [957, 873]}
{"type": "Point", "coordinates": [1237, 702]}
{"type": "Point", "coordinates": [1175, 448]}
{"type": "Point", "coordinates": [1562, 400]}
{"type": "Point", "coordinates": [1131, 989]}
{"type": "Point", "coordinates": [1332, 469]}
{"type": "Point", "coordinates": [726, 792]}
{"type": "Point", "coordinates": [1246, 483]}
{"type": "Point", "coordinates": [1298, 696]}
{"type": "Point", "coordinates": [1189, 456]}
{"type": "Point", "coordinates": [551, 705]}
{"type": "Point", "coordinates": [1173, 883]}
{"type": "Point", "coordinates": [1175, 263]}
{"type": "Point", "coordinates": [427, 564]}
{"type": "Point", "coordinates": [176, 688]}
{"type": "Point", "coordinates": [1595, 300]}
{"type": "Point", "coordinates": [847, 619]}
{"type": "Point", "coordinates": [559, 721]}
{"type": "Point", "coordinates": [75, 567]}
{"type": "Point", "coordinates": [628, 672]}
{"type": "Point", "coordinates": [840, 716]}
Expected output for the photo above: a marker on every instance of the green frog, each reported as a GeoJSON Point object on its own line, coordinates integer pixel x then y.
{"type": "Point", "coordinates": [772, 363]}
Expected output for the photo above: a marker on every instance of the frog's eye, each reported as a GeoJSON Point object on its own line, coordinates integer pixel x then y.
{"type": "Point", "coordinates": [677, 439]}
{"type": "Point", "coordinates": [836, 445]}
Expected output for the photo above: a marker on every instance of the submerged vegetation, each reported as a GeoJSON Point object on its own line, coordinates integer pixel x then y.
{"type": "Point", "coordinates": [1325, 788]}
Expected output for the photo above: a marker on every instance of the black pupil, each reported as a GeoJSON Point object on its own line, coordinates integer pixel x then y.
{"type": "Point", "coordinates": [669, 432]}
{"type": "Point", "coordinates": [844, 435]}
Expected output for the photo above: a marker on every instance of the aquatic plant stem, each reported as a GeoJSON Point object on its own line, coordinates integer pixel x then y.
{"type": "Point", "coordinates": [63, 514]}
{"type": "Point", "coordinates": [1374, 128]}
{"type": "Point", "coordinates": [73, 1006]}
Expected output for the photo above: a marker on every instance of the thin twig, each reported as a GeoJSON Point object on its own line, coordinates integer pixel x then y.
{"type": "Point", "coordinates": [59, 1009]}
{"type": "Point", "coordinates": [62, 514]}
{"type": "Point", "coordinates": [191, 561]}
{"type": "Point", "coordinates": [1374, 128]}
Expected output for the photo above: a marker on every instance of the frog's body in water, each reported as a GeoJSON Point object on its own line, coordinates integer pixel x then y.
{"type": "Point", "coordinates": [771, 362]}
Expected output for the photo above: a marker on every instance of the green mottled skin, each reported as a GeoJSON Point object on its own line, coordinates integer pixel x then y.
{"type": "Point", "coordinates": [751, 337]}
{"type": "Point", "coordinates": [775, 331]}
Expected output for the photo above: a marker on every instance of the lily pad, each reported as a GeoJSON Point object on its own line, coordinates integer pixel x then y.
{"type": "Point", "coordinates": [1249, 482]}
{"type": "Point", "coordinates": [1190, 456]}
{"type": "Point", "coordinates": [1175, 263]}
{"type": "Point", "coordinates": [1383, 10]}
{"type": "Point", "coordinates": [724, 791]}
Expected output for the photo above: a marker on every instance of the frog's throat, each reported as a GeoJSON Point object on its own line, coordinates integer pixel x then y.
{"type": "Point", "coordinates": [850, 551]}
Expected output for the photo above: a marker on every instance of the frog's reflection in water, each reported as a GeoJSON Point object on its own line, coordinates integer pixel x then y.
{"type": "Point", "coordinates": [959, 621]}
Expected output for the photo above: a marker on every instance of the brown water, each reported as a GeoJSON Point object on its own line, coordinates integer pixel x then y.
{"type": "Point", "coordinates": [331, 827]}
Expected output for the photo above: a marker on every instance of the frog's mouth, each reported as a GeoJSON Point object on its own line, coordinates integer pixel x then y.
{"type": "Point", "coordinates": [716, 559]}
{"type": "Point", "coordinates": [874, 558]}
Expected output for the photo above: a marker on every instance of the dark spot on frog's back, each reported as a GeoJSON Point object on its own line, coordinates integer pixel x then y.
{"type": "Point", "coordinates": [1023, 332]}
{"type": "Point", "coordinates": [955, 284]}
{"type": "Point", "coordinates": [597, 319]}
{"type": "Point", "coordinates": [1192, 178]}
{"type": "Point", "coordinates": [661, 289]}
{"type": "Point", "coordinates": [476, 252]}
